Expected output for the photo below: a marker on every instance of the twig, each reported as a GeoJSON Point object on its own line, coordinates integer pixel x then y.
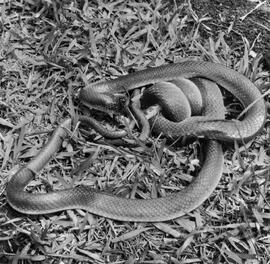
{"type": "Point", "coordinates": [251, 11]}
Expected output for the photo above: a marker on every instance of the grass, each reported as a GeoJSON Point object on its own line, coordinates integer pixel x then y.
{"type": "Point", "coordinates": [49, 50]}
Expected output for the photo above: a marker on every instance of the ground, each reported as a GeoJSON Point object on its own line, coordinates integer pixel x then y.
{"type": "Point", "coordinates": [51, 49]}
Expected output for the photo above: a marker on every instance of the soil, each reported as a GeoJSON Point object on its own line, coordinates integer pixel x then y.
{"type": "Point", "coordinates": [230, 16]}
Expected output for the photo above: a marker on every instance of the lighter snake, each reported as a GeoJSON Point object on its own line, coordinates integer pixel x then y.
{"type": "Point", "coordinates": [112, 94]}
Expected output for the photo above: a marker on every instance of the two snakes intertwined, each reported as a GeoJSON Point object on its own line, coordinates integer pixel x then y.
{"type": "Point", "coordinates": [112, 95]}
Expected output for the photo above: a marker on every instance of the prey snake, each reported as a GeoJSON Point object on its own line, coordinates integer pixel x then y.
{"type": "Point", "coordinates": [111, 94]}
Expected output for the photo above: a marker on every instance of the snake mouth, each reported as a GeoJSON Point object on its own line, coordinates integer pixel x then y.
{"type": "Point", "coordinates": [108, 102]}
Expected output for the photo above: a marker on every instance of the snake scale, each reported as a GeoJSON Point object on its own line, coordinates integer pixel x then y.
{"type": "Point", "coordinates": [112, 94]}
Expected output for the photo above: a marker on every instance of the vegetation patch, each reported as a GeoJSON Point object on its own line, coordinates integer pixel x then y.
{"type": "Point", "coordinates": [51, 49]}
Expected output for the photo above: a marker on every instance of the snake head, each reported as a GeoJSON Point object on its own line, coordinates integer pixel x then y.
{"type": "Point", "coordinates": [107, 101]}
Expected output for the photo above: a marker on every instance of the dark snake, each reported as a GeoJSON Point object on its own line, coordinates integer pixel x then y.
{"type": "Point", "coordinates": [112, 95]}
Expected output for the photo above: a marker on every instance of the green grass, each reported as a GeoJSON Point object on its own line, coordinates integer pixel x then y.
{"type": "Point", "coordinates": [49, 50]}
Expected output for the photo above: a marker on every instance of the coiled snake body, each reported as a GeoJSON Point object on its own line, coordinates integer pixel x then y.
{"type": "Point", "coordinates": [111, 94]}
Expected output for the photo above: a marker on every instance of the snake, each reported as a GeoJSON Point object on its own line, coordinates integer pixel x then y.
{"type": "Point", "coordinates": [113, 95]}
